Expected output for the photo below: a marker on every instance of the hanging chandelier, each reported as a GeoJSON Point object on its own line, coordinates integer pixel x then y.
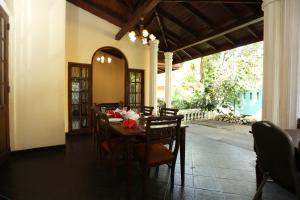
{"type": "Point", "coordinates": [142, 34]}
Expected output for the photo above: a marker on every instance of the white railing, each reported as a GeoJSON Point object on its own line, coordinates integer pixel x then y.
{"type": "Point", "coordinates": [194, 114]}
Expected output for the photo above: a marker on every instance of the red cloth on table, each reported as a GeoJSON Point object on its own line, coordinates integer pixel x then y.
{"type": "Point", "coordinates": [116, 115]}
{"type": "Point", "coordinates": [111, 112]}
{"type": "Point", "coordinates": [129, 123]}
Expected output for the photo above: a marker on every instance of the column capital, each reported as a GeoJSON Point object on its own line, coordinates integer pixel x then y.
{"type": "Point", "coordinates": [267, 2]}
{"type": "Point", "coordinates": [168, 55]}
{"type": "Point", "coordinates": [154, 43]}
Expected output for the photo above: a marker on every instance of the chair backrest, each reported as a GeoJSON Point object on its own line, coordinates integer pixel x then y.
{"type": "Point", "coordinates": [94, 114]}
{"type": "Point", "coordinates": [147, 110]}
{"type": "Point", "coordinates": [163, 130]}
{"type": "Point", "coordinates": [108, 106]}
{"type": "Point", "coordinates": [168, 112]}
{"type": "Point", "coordinates": [103, 126]}
{"type": "Point", "coordinates": [276, 154]}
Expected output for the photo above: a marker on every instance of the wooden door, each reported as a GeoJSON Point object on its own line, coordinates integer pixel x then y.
{"type": "Point", "coordinates": [4, 87]}
{"type": "Point", "coordinates": [136, 87]}
{"type": "Point", "coordinates": [80, 97]}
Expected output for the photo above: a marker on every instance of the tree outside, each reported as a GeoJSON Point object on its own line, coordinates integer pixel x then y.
{"type": "Point", "coordinates": [216, 82]}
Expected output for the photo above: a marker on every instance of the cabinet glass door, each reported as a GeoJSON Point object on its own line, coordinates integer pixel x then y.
{"type": "Point", "coordinates": [136, 88]}
{"type": "Point", "coordinates": [79, 96]}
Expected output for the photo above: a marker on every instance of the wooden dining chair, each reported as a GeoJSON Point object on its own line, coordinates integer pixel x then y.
{"type": "Point", "coordinates": [168, 111]}
{"type": "Point", "coordinates": [109, 106]}
{"type": "Point", "coordinates": [94, 125]}
{"type": "Point", "coordinates": [276, 157]}
{"type": "Point", "coordinates": [147, 110]}
{"type": "Point", "coordinates": [152, 153]}
{"type": "Point", "coordinates": [110, 146]}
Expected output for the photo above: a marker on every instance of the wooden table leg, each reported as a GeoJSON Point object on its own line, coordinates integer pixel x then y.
{"type": "Point", "coordinates": [182, 154]}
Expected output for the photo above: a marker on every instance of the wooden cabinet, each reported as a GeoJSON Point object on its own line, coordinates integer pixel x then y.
{"type": "Point", "coordinates": [80, 97]}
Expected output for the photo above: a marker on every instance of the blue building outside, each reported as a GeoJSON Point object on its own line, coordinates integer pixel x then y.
{"type": "Point", "coordinates": [251, 103]}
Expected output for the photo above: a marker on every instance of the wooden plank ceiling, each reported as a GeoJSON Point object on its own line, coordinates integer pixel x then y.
{"type": "Point", "coordinates": [189, 28]}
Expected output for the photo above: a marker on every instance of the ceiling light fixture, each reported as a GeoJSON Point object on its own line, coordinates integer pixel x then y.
{"type": "Point", "coordinates": [103, 59]}
{"type": "Point", "coordinates": [142, 34]}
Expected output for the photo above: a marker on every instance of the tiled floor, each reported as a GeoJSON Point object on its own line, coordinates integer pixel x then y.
{"type": "Point", "coordinates": [216, 168]}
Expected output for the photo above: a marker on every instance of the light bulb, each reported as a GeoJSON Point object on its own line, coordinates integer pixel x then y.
{"type": "Point", "coordinates": [98, 59]}
{"type": "Point", "coordinates": [131, 34]}
{"type": "Point", "coordinates": [144, 41]}
{"type": "Point", "coordinates": [133, 39]}
{"type": "Point", "coordinates": [145, 33]}
{"type": "Point", "coordinates": [102, 59]}
{"type": "Point", "coordinates": [109, 59]}
{"type": "Point", "coordinates": [152, 37]}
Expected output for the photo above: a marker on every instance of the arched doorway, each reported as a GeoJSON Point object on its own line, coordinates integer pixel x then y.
{"type": "Point", "coordinates": [109, 76]}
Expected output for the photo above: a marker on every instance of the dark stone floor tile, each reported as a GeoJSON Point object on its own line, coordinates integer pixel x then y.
{"type": "Point", "coordinates": [236, 197]}
{"type": "Point", "coordinates": [209, 183]}
{"type": "Point", "coordinates": [181, 193]}
{"type": "Point", "coordinates": [204, 171]}
{"type": "Point", "coordinates": [235, 174]}
{"type": "Point", "coordinates": [208, 195]}
{"type": "Point", "coordinates": [188, 180]}
{"type": "Point", "coordinates": [235, 187]}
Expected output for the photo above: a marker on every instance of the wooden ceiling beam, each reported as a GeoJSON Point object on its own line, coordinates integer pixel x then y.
{"type": "Point", "coordinates": [216, 1]}
{"type": "Point", "coordinates": [185, 27]}
{"type": "Point", "coordinates": [254, 8]}
{"type": "Point", "coordinates": [226, 47]}
{"type": "Point", "coordinates": [150, 21]}
{"type": "Point", "coordinates": [161, 27]}
{"type": "Point", "coordinates": [220, 32]}
{"type": "Point", "coordinates": [253, 32]}
{"type": "Point", "coordinates": [237, 17]}
{"type": "Point", "coordinates": [175, 40]}
{"type": "Point", "coordinates": [143, 10]}
{"type": "Point", "coordinates": [178, 56]}
{"type": "Point", "coordinates": [183, 50]}
{"type": "Point", "coordinates": [229, 39]}
{"type": "Point", "coordinates": [127, 4]}
{"type": "Point", "coordinates": [231, 11]}
{"type": "Point", "coordinates": [177, 22]}
{"type": "Point", "coordinates": [198, 14]}
{"type": "Point", "coordinates": [212, 45]}
{"type": "Point", "coordinates": [187, 54]}
{"type": "Point", "coordinates": [100, 11]}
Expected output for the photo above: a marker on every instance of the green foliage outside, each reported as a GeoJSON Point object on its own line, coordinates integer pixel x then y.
{"type": "Point", "coordinates": [218, 81]}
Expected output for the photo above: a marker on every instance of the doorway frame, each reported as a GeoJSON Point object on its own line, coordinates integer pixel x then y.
{"type": "Point", "coordinates": [126, 73]}
{"type": "Point", "coordinates": [7, 151]}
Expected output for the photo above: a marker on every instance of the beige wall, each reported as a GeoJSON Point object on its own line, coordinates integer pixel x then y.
{"type": "Point", "coordinates": [86, 33]}
{"type": "Point", "coordinates": [108, 80]}
{"type": "Point", "coordinates": [37, 60]}
{"type": "Point", "coordinates": [45, 35]}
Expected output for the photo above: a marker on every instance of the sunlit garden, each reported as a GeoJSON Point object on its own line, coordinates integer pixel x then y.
{"type": "Point", "coordinates": [226, 86]}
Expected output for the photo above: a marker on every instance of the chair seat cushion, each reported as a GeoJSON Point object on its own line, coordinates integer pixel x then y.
{"type": "Point", "coordinates": [158, 154]}
{"type": "Point", "coordinates": [113, 145]}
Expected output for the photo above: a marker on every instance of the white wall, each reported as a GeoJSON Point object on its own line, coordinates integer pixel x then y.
{"type": "Point", "coordinates": [85, 33]}
{"type": "Point", "coordinates": [37, 54]}
{"type": "Point", "coordinates": [44, 36]}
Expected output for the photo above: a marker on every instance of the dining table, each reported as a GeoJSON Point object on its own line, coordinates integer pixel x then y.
{"type": "Point", "coordinates": [295, 136]}
{"type": "Point", "coordinates": [130, 134]}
